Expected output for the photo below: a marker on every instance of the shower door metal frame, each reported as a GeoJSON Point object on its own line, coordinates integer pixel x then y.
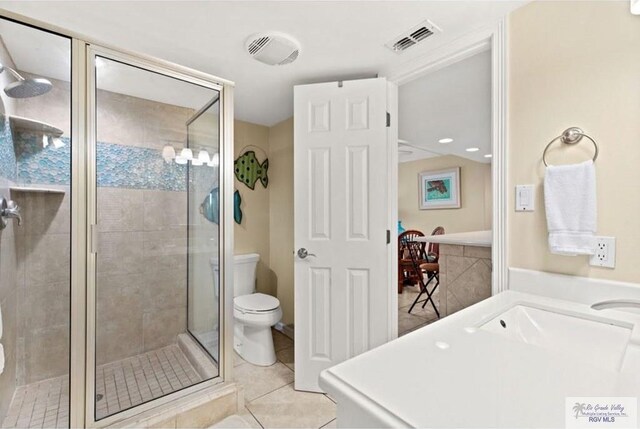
{"type": "Point", "coordinates": [226, 233]}
{"type": "Point", "coordinates": [82, 375]}
{"type": "Point", "coordinates": [190, 121]}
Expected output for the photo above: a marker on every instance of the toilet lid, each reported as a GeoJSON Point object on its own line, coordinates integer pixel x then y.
{"type": "Point", "coordinates": [256, 302]}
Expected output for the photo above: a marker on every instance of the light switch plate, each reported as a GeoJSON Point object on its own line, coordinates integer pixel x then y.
{"type": "Point", "coordinates": [605, 255]}
{"type": "Point", "coordinates": [525, 198]}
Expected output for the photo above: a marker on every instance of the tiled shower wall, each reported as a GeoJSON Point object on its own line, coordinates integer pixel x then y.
{"type": "Point", "coordinates": [142, 271]}
{"type": "Point", "coordinates": [141, 283]}
{"type": "Point", "coordinates": [8, 254]}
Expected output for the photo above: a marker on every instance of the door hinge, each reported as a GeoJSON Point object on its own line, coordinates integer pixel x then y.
{"type": "Point", "coordinates": [388, 236]}
{"type": "Point", "coordinates": [388, 119]}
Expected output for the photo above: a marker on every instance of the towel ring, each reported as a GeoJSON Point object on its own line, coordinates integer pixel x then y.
{"type": "Point", "coordinates": [571, 135]}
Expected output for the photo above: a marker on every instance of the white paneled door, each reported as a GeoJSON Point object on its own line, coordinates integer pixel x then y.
{"type": "Point", "coordinates": [341, 180]}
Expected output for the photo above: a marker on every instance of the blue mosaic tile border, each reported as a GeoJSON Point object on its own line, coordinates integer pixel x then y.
{"type": "Point", "coordinates": [8, 165]}
{"type": "Point", "coordinates": [119, 166]}
{"type": "Point", "coordinates": [38, 165]}
{"type": "Point", "coordinates": [138, 168]}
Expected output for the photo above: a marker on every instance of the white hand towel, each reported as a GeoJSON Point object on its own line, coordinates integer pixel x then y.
{"type": "Point", "coordinates": [570, 203]}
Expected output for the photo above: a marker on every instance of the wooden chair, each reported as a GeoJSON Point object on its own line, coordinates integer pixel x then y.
{"type": "Point", "coordinates": [407, 273]}
{"type": "Point", "coordinates": [432, 270]}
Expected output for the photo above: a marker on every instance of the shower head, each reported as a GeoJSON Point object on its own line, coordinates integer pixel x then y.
{"type": "Point", "coordinates": [24, 88]}
{"type": "Point", "coordinates": [28, 88]}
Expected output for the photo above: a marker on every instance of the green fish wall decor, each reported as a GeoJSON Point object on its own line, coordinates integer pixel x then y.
{"type": "Point", "coordinates": [249, 170]}
{"type": "Point", "coordinates": [210, 207]}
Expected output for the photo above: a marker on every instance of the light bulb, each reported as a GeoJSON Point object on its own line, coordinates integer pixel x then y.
{"type": "Point", "coordinates": [45, 141]}
{"type": "Point", "coordinates": [203, 157]}
{"type": "Point", "coordinates": [187, 154]}
{"type": "Point", "coordinates": [180, 160]}
{"type": "Point", "coordinates": [58, 143]}
{"type": "Point", "coordinates": [168, 153]}
{"type": "Point", "coordinates": [215, 160]}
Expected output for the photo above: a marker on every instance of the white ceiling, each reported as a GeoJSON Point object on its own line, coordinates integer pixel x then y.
{"type": "Point", "coordinates": [453, 102]}
{"type": "Point", "coordinates": [339, 39]}
{"type": "Point", "coordinates": [49, 55]}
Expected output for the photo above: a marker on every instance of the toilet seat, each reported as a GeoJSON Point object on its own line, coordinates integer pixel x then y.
{"type": "Point", "coordinates": [256, 303]}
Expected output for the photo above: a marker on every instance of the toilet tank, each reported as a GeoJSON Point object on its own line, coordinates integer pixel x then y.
{"type": "Point", "coordinates": [244, 273]}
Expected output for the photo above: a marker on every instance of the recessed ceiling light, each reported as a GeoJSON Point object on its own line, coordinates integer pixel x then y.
{"type": "Point", "coordinates": [488, 155]}
{"type": "Point", "coordinates": [472, 149]}
{"type": "Point", "coordinates": [445, 140]}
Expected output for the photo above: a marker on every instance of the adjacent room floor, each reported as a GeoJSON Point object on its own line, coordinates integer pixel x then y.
{"type": "Point", "coordinates": [419, 317]}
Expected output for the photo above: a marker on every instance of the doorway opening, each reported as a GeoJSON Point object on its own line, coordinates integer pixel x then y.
{"type": "Point", "coordinates": [445, 202]}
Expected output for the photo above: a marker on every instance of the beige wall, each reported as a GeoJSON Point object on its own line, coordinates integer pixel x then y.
{"type": "Point", "coordinates": [281, 213]}
{"type": "Point", "coordinates": [576, 63]}
{"type": "Point", "coordinates": [475, 188]}
{"type": "Point", "coordinates": [267, 225]}
{"type": "Point", "coordinates": [252, 236]}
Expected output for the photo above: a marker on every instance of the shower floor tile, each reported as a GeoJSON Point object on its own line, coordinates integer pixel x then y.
{"type": "Point", "coordinates": [129, 382]}
{"type": "Point", "coordinates": [119, 385]}
{"type": "Point", "coordinates": [44, 404]}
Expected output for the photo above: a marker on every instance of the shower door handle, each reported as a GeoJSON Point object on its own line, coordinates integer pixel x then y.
{"type": "Point", "coordinates": [303, 253]}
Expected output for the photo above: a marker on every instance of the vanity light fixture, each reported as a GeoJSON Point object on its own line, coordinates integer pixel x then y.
{"type": "Point", "coordinates": [445, 140]}
{"type": "Point", "coordinates": [215, 160]}
{"type": "Point", "coordinates": [187, 154]}
{"type": "Point", "coordinates": [168, 153]}
{"type": "Point", "coordinates": [472, 149]}
{"type": "Point", "coordinates": [203, 157]}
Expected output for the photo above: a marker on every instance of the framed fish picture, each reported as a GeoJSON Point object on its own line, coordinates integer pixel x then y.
{"type": "Point", "coordinates": [440, 189]}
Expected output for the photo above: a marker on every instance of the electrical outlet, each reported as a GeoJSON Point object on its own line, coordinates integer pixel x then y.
{"type": "Point", "coordinates": [605, 255]}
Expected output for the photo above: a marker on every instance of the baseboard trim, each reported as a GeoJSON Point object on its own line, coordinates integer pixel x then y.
{"type": "Point", "coordinates": [285, 329]}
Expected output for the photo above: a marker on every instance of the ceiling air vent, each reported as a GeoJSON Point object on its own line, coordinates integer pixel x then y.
{"type": "Point", "coordinates": [274, 49]}
{"type": "Point", "coordinates": [412, 37]}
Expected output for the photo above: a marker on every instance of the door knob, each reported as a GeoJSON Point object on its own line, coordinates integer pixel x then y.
{"type": "Point", "coordinates": [303, 253]}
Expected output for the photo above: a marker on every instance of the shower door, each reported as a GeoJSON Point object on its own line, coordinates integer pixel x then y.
{"type": "Point", "coordinates": [203, 138]}
{"type": "Point", "coordinates": [37, 160]}
{"type": "Point", "coordinates": [154, 157]}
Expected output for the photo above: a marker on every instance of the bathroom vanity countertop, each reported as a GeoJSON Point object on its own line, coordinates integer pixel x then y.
{"type": "Point", "coordinates": [453, 373]}
{"type": "Point", "coordinates": [474, 238]}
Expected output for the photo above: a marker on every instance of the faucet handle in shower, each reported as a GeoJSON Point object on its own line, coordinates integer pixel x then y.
{"type": "Point", "coordinates": [9, 210]}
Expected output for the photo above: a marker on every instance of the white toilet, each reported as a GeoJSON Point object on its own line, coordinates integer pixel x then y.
{"type": "Point", "coordinates": [254, 313]}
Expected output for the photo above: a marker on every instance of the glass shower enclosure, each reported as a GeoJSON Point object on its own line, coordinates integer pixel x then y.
{"type": "Point", "coordinates": [157, 211]}
{"type": "Point", "coordinates": [114, 179]}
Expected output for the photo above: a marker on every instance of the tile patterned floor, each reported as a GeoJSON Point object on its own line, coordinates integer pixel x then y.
{"type": "Point", "coordinates": [132, 381]}
{"type": "Point", "coordinates": [419, 317]}
{"type": "Point", "coordinates": [272, 402]}
{"type": "Point", "coordinates": [121, 385]}
{"type": "Point", "coordinates": [270, 399]}
{"type": "Point", "coordinates": [40, 405]}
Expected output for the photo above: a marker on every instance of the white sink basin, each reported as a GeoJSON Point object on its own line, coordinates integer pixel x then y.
{"type": "Point", "coordinates": [598, 343]}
